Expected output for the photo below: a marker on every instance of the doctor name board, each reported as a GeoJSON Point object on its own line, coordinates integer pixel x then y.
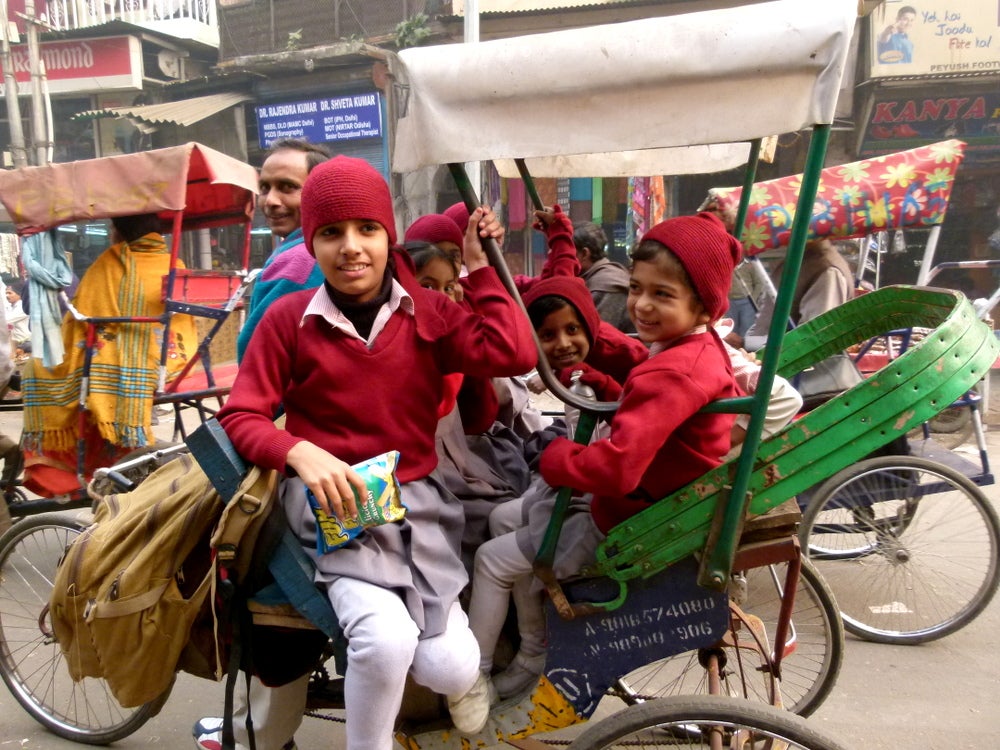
{"type": "Point", "coordinates": [326, 120]}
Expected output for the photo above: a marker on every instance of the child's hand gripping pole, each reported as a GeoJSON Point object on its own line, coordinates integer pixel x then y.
{"type": "Point", "coordinates": [497, 261]}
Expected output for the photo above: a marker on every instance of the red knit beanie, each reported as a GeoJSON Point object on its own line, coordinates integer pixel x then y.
{"type": "Point", "coordinates": [574, 290]}
{"type": "Point", "coordinates": [435, 228]}
{"type": "Point", "coordinates": [459, 214]}
{"type": "Point", "coordinates": [708, 253]}
{"type": "Point", "coordinates": [345, 188]}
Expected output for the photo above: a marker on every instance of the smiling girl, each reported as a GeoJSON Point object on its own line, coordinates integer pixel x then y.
{"type": "Point", "coordinates": [359, 366]}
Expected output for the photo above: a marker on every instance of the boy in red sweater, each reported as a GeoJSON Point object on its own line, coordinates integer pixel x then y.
{"type": "Point", "coordinates": [658, 440]}
{"type": "Point", "coordinates": [358, 366]}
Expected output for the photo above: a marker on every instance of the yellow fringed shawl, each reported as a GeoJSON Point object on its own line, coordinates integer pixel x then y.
{"type": "Point", "coordinates": [125, 280]}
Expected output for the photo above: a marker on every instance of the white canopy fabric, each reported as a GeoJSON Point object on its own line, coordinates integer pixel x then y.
{"type": "Point", "coordinates": [656, 161]}
{"type": "Point", "coordinates": [710, 77]}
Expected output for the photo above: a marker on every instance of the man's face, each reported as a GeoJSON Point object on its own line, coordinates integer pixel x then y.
{"type": "Point", "coordinates": [281, 178]}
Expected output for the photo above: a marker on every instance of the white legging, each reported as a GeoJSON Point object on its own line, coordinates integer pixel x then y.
{"type": "Point", "coordinates": [502, 572]}
{"type": "Point", "coordinates": [383, 646]}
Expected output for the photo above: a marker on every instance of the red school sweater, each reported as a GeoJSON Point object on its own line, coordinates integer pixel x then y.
{"type": "Point", "coordinates": [357, 402]}
{"type": "Point", "coordinates": [658, 441]}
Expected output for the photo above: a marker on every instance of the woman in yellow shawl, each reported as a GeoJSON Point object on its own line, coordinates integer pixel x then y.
{"type": "Point", "coordinates": [125, 281]}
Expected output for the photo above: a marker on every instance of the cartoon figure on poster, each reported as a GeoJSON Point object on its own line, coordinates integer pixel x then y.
{"type": "Point", "coordinates": [894, 43]}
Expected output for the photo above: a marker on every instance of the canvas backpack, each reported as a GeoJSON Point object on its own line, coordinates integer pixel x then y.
{"type": "Point", "coordinates": [130, 588]}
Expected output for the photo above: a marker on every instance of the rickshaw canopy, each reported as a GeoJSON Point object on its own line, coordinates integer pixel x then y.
{"type": "Point", "coordinates": [209, 187]}
{"type": "Point", "coordinates": [714, 157]}
{"type": "Point", "coordinates": [774, 67]}
{"type": "Point", "coordinates": [905, 189]}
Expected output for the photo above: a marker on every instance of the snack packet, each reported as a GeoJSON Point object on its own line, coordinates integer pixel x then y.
{"type": "Point", "coordinates": [382, 504]}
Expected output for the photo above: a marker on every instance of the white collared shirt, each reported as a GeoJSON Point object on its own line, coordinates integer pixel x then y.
{"type": "Point", "coordinates": [322, 305]}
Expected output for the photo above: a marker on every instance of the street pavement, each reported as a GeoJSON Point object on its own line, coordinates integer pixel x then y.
{"type": "Point", "coordinates": [936, 696]}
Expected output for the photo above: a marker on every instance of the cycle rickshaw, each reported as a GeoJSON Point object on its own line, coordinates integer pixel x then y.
{"type": "Point", "coordinates": [192, 189]}
{"type": "Point", "coordinates": [195, 191]}
{"type": "Point", "coordinates": [909, 543]}
{"type": "Point", "coordinates": [642, 601]}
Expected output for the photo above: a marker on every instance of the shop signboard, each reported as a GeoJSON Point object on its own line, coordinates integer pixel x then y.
{"type": "Point", "coordinates": [897, 119]}
{"type": "Point", "coordinates": [934, 37]}
{"type": "Point", "coordinates": [323, 120]}
{"type": "Point", "coordinates": [81, 65]}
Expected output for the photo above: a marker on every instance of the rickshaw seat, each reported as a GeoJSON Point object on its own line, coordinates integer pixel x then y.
{"type": "Point", "coordinates": [908, 391]}
{"type": "Point", "coordinates": [203, 287]}
{"type": "Point", "coordinates": [223, 375]}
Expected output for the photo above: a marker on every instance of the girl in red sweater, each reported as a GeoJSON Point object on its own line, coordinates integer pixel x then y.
{"type": "Point", "coordinates": [658, 440]}
{"type": "Point", "coordinates": [359, 366]}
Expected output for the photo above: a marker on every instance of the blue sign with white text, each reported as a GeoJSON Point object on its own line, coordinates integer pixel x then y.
{"type": "Point", "coordinates": [326, 120]}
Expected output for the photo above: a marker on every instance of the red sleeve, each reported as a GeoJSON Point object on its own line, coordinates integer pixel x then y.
{"type": "Point", "coordinates": [654, 404]}
{"type": "Point", "coordinates": [496, 340]}
{"type": "Point", "coordinates": [561, 259]}
{"type": "Point", "coordinates": [451, 385]}
{"type": "Point", "coordinates": [249, 412]}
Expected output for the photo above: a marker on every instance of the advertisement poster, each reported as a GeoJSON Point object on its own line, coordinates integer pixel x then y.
{"type": "Point", "coordinates": [935, 37]}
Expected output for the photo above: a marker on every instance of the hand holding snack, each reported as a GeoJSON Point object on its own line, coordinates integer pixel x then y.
{"type": "Point", "coordinates": [333, 483]}
{"type": "Point", "coordinates": [379, 503]}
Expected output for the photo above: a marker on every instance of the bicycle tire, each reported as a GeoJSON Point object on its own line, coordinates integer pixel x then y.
{"type": "Point", "coordinates": [814, 652]}
{"type": "Point", "coordinates": [809, 668]}
{"type": "Point", "coordinates": [951, 428]}
{"type": "Point", "coordinates": [688, 721]}
{"type": "Point", "coordinates": [744, 670]}
{"type": "Point", "coordinates": [934, 558]}
{"type": "Point", "coordinates": [31, 662]}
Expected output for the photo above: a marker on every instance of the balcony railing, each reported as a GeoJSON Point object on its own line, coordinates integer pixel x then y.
{"type": "Point", "coordinates": [64, 15]}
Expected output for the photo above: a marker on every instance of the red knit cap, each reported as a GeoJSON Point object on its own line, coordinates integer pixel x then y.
{"type": "Point", "coordinates": [574, 290]}
{"type": "Point", "coordinates": [708, 253]}
{"type": "Point", "coordinates": [345, 188]}
{"type": "Point", "coordinates": [459, 214]}
{"type": "Point", "coordinates": [435, 228]}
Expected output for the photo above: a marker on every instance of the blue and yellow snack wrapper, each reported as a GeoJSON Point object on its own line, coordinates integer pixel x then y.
{"type": "Point", "coordinates": [382, 504]}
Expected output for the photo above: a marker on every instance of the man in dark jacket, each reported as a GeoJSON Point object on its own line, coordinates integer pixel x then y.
{"type": "Point", "coordinates": [606, 280]}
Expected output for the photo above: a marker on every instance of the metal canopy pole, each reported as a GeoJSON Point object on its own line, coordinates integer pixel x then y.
{"type": "Point", "coordinates": [717, 563]}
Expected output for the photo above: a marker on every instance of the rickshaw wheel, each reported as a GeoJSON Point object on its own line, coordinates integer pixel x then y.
{"type": "Point", "coordinates": [744, 669]}
{"type": "Point", "coordinates": [699, 722]}
{"type": "Point", "coordinates": [951, 428]}
{"type": "Point", "coordinates": [810, 665]}
{"type": "Point", "coordinates": [931, 541]}
{"type": "Point", "coordinates": [31, 662]}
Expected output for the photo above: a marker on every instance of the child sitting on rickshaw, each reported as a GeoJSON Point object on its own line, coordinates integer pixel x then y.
{"type": "Point", "coordinates": [658, 442]}
{"type": "Point", "coordinates": [126, 280]}
{"type": "Point", "coordinates": [358, 366]}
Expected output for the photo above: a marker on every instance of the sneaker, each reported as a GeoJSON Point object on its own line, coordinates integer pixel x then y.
{"type": "Point", "coordinates": [208, 734]}
{"type": "Point", "coordinates": [520, 675]}
{"type": "Point", "coordinates": [470, 712]}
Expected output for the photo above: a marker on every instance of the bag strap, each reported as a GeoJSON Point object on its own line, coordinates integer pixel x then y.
{"type": "Point", "coordinates": [291, 568]}
{"type": "Point", "coordinates": [293, 572]}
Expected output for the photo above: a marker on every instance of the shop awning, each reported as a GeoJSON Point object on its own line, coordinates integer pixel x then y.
{"type": "Point", "coordinates": [149, 117]}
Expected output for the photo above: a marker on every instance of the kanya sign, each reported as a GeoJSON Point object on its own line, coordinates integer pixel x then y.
{"type": "Point", "coordinates": [973, 115]}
